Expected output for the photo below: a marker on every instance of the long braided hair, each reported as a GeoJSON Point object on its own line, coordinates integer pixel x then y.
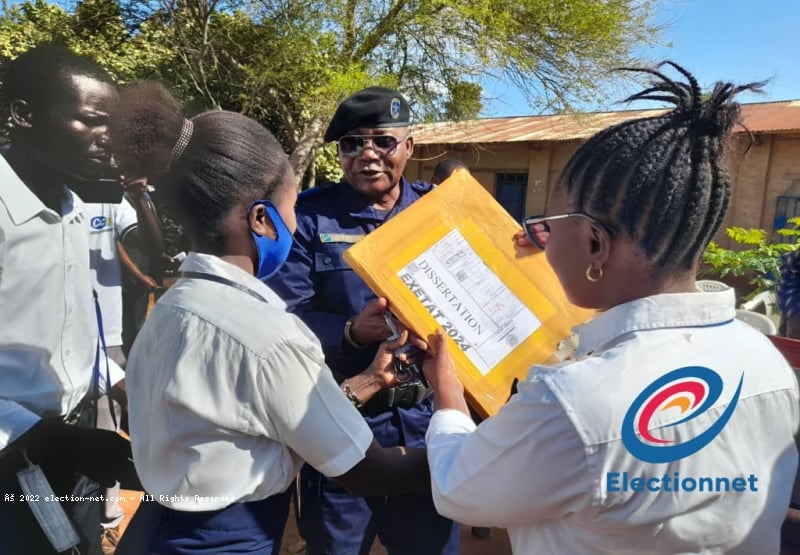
{"type": "Point", "coordinates": [662, 179]}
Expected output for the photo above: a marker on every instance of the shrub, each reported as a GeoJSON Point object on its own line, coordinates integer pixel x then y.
{"type": "Point", "coordinates": [760, 261]}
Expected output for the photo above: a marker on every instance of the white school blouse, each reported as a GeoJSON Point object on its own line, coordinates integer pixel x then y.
{"type": "Point", "coordinates": [228, 395]}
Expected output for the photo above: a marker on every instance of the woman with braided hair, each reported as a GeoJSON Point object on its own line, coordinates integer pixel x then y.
{"type": "Point", "coordinates": [228, 393]}
{"type": "Point", "coordinates": [671, 429]}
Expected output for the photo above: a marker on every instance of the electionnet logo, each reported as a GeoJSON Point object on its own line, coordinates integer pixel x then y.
{"type": "Point", "coordinates": [692, 391]}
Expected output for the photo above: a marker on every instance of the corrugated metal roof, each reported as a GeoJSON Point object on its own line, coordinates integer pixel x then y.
{"type": "Point", "coordinates": [766, 117]}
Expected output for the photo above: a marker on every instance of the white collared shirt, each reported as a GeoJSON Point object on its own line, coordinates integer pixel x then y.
{"type": "Point", "coordinates": [106, 224]}
{"type": "Point", "coordinates": [228, 395]}
{"type": "Point", "coordinates": [48, 326]}
{"type": "Point", "coordinates": [552, 466]}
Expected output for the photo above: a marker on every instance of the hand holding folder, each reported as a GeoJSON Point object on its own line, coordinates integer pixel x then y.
{"type": "Point", "coordinates": [450, 261]}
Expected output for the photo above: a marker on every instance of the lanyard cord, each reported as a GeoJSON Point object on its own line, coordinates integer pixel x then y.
{"type": "Point", "coordinates": [223, 281]}
{"type": "Point", "coordinates": [96, 370]}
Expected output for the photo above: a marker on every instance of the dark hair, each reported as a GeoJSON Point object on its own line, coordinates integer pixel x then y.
{"type": "Point", "coordinates": [662, 179]}
{"type": "Point", "coordinates": [38, 75]}
{"type": "Point", "coordinates": [446, 167]}
{"type": "Point", "coordinates": [229, 160]}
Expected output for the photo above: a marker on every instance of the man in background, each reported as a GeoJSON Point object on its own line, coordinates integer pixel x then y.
{"type": "Point", "coordinates": [114, 228]}
{"type": "Point", "coordinates": [445, 168]}
{"type": "Point", "coordinates": [110, 227]}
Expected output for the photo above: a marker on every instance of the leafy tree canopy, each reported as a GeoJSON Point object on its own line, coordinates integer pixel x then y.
{"type": "Point", "coordinates": [288, 63]}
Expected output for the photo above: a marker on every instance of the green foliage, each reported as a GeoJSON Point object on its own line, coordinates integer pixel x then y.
{"type": "Point", "coordinates": [94, 28]}
{"type": "Point", "coordinates": [288, 63]}
{"type": "Point", "coordinates": [464, 102]}
{"type": "Point", "coordinates": [760, 260]}
{"type": "Point", "coordinates": [327, 164]}
{"type": "Point", "coordinates": [26, 25]}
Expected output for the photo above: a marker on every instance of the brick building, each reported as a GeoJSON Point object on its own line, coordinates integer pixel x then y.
{"type": "Point", "coordinates": [519, 158]}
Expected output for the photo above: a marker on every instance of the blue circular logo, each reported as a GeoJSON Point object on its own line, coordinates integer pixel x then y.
{"type": "Point", "coordinates": [692, 390]}
{"type": "Point", "coordinates": [98, 222]}
{"type": "Point", "coordinates": [394, 108]}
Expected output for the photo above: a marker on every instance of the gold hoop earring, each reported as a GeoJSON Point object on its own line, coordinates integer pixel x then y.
{"type": "Point", "coordinates": [594, 278]}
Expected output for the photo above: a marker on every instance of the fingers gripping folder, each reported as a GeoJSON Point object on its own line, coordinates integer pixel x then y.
{"type": "Point", "coordinates": [404, 370]}
{"type": "Point", "coordinates": [500, 305]}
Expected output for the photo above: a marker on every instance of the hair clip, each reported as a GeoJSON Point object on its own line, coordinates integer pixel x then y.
{"type": "Point", "coordinates": [183, 141]}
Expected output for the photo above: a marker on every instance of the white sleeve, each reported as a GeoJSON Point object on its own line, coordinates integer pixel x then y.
{"type": "Point", "coordinates": [310, 413]}
{"type": "Point", "coordinates": [125, 219]}
{"type": "Point", "coordinates": [524, 465]}
{"type": "Point", "coordinates": [15, 420]}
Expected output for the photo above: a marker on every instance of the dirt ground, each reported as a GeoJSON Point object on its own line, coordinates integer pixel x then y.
{"type": "Point", "coordinates": [495, 544]}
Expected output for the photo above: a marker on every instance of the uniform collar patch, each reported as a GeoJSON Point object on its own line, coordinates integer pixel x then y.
{"type": "Point", "coordinates": [340, 238]}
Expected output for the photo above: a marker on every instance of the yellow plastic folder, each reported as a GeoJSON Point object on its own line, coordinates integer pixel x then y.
{"type": "Point", "coordinates": [449, 260]}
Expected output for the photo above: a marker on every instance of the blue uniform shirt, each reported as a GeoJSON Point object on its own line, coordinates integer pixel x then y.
{"type": "Point", "coordinates": [319, 286]}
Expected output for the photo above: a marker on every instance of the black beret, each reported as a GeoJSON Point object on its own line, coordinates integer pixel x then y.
{"type": "Point", "coordinates": [370, 108]}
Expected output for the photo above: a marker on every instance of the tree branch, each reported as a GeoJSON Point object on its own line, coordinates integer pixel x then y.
{"type": "Point", "coordinates": [303, 154]}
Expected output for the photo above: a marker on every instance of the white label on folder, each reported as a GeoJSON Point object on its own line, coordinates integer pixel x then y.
{"type": "Point", "coordinates": [483, 316]}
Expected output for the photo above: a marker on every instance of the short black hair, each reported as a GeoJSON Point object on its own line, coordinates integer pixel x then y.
{"type": "Point", "coordinates": [230, 159]}
{"type": "Point", "coordinates": [663, 180]}
{"type": "Point", "coordinates": [445, 167]}
{"type": "Point", "coordinates": [38, 75]}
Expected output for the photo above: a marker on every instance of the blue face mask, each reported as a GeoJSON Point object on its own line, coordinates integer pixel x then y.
{"type": "Point", "coordinates": [271, 253]}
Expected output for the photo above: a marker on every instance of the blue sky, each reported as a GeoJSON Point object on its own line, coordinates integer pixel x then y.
{"type": "Point", "coordinates": [732, 40]}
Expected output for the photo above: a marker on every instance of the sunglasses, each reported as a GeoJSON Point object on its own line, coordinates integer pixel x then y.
{"type": "Point", "coordinates": [538, 227]}
{"type": "Point", "coordinates": [351, 146]}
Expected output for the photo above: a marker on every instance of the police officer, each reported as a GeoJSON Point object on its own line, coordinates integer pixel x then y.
{"type": "Point", "coordinates": [371, 131]}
